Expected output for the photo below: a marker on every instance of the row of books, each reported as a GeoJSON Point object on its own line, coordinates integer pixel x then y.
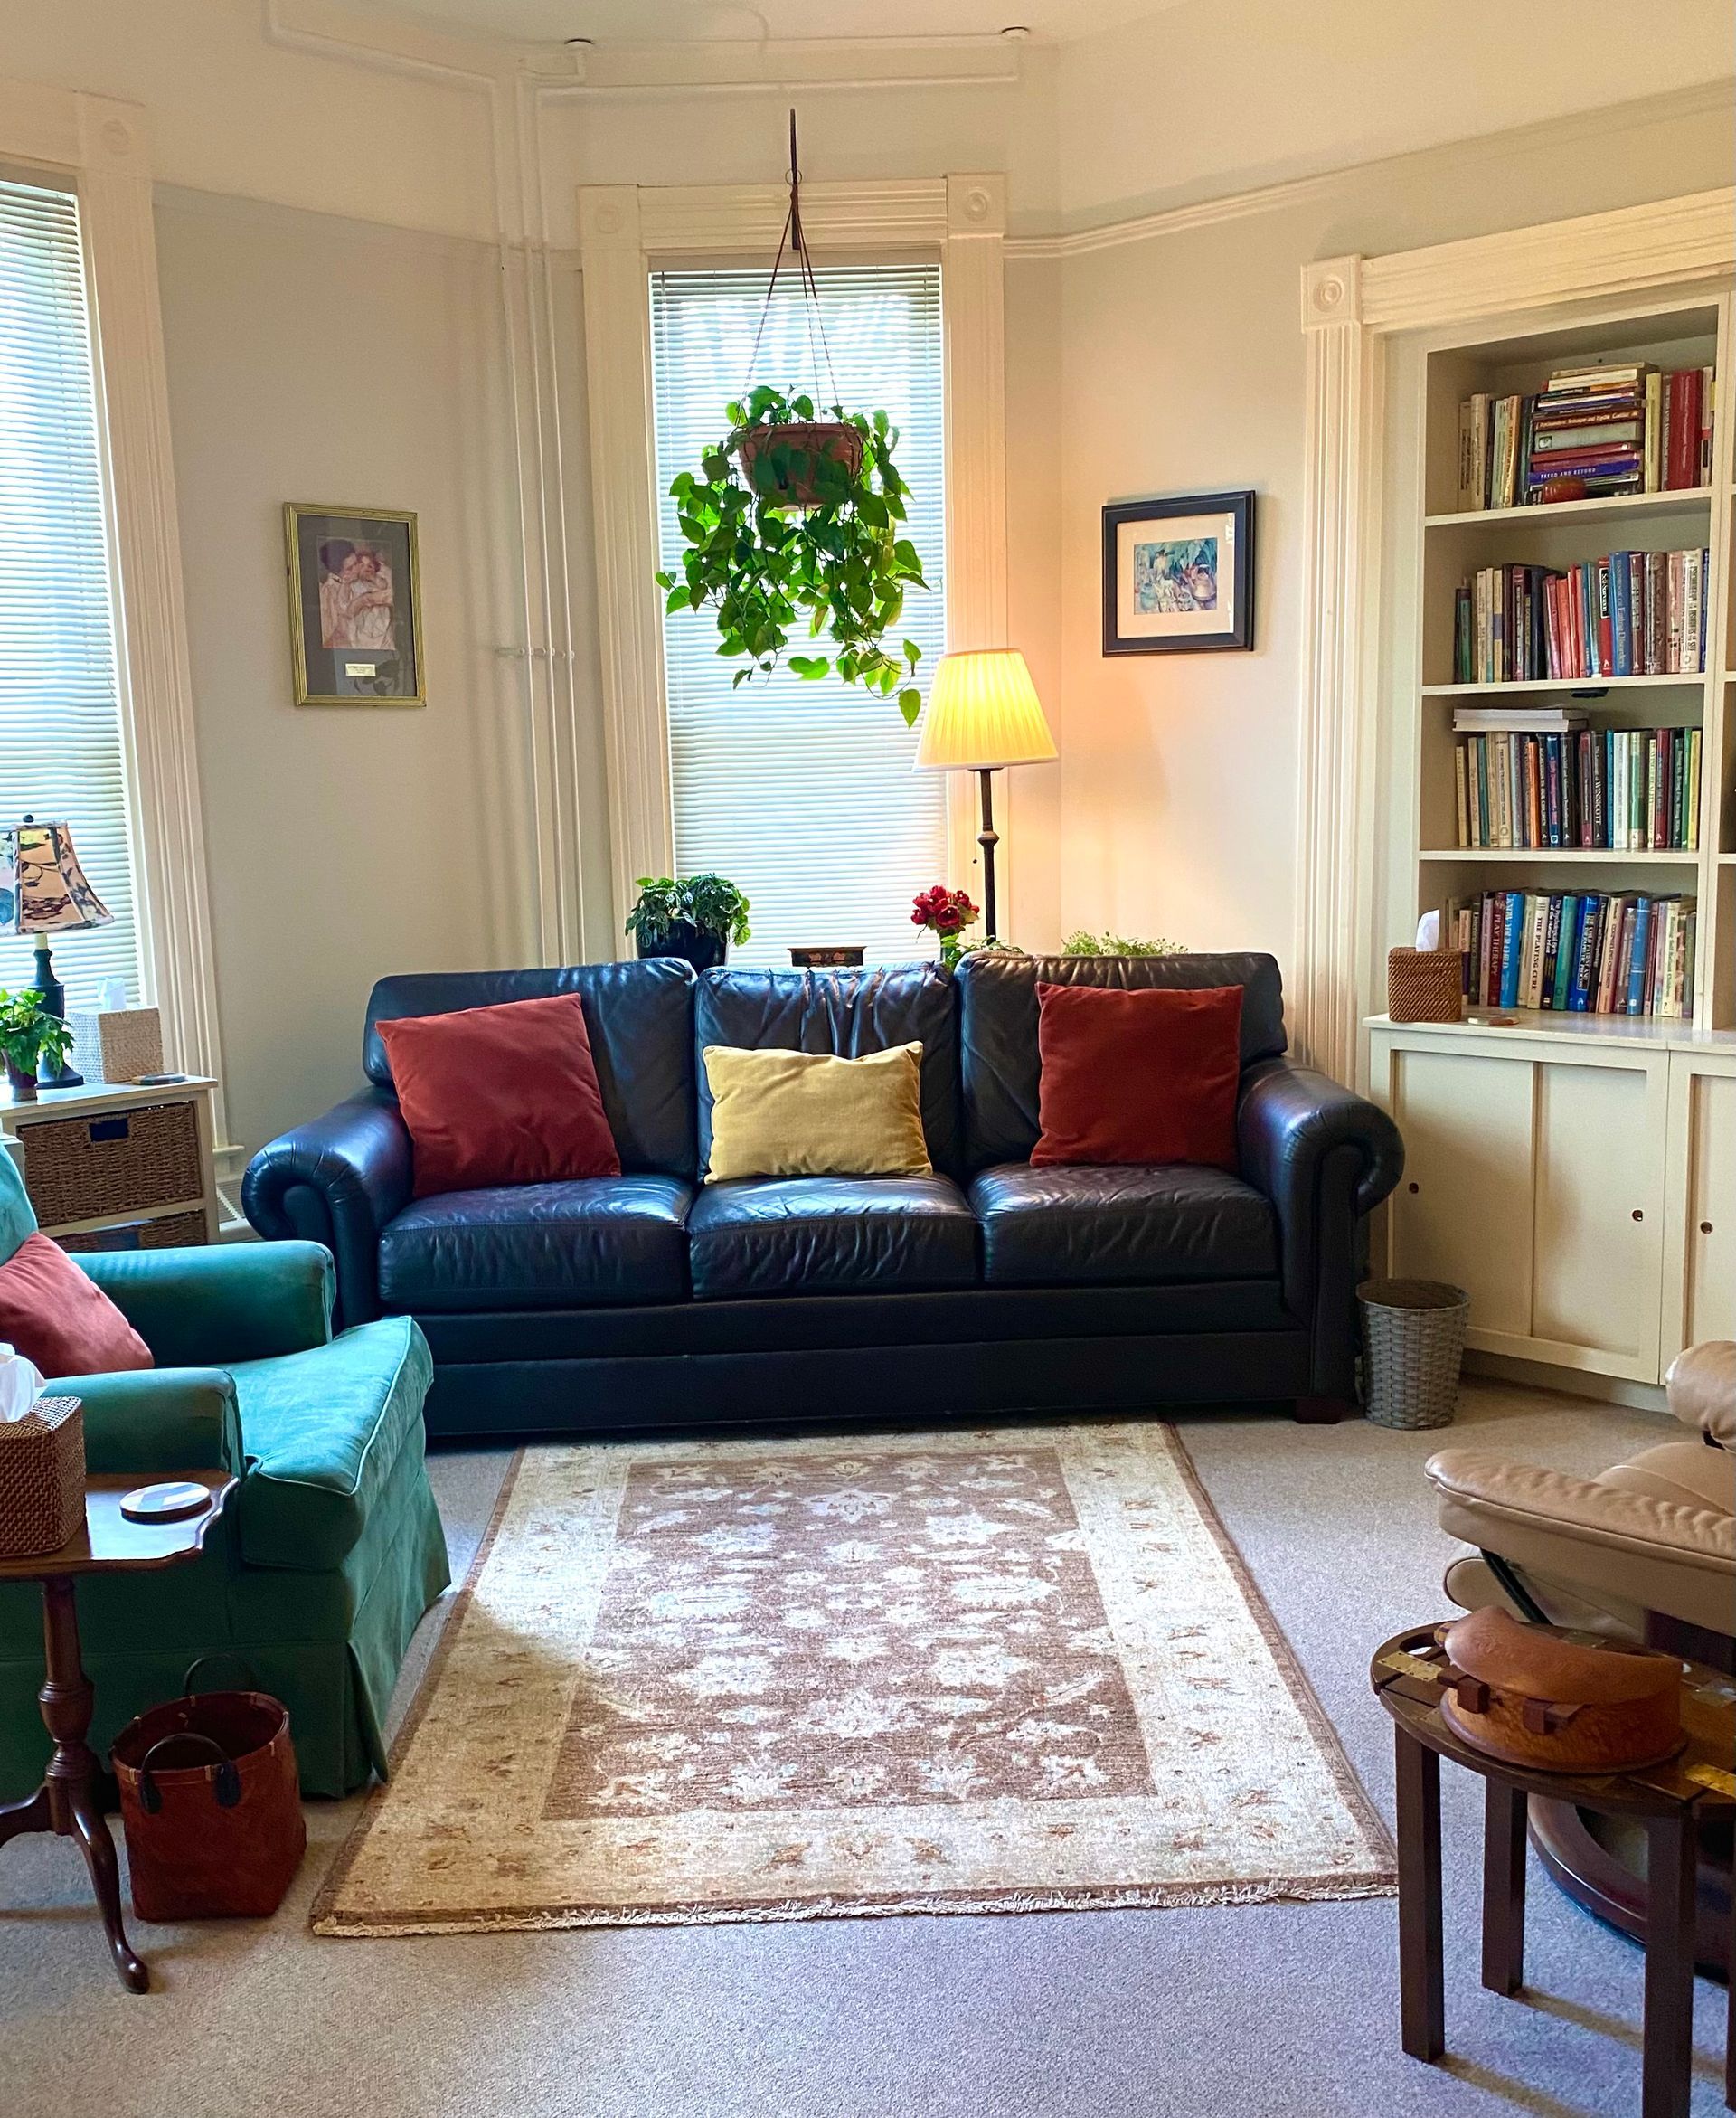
{"type": "Point", "coordinates": [1628, 428]}
{"type": "Point", "coordinates": [1627, 614]}
{"type": "Point", "coordinates": [1626, 789]}
{"type": "Point", "coordinates": [1581, 953]}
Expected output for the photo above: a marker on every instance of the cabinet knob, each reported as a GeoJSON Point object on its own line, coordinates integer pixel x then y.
{"type": "Point", "coordinates": [1705, 1227]}
{"type": "Point", "coordinates": [1637, 1214]}
{"type": "Point", "coordinates": [1416, 1187]}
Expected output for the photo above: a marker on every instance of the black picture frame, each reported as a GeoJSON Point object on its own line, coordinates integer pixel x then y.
{"type": "Point", "coordinates": [1188, 636]}
{"type": "Point", "coordinates": [370, 655]}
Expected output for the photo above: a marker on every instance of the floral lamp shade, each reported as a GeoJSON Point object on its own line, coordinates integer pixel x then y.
{"type": "Point", "coordinates": [42, 888]}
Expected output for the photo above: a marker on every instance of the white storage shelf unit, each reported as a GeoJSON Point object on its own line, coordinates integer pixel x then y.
{"type": "Point", "coordinates": [1576, 1173]}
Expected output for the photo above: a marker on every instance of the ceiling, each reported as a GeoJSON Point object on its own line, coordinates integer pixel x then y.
{"type": "Point", "coordinates": [697, 21]}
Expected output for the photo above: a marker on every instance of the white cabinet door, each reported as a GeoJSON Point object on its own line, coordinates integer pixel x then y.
{"type": "Point", "coordinates": [1463, 1210]}
{"type": "Point", "coordinates": [1702, 1246]}
{"type": "Point", "coordinates": [1599, 1213]}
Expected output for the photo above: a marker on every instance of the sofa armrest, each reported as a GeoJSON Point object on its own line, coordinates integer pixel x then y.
{"type": "Point", "coordinates": [1325, 1157]}
{"type": "Point", "coordinates": [152, 1421]}
{"type": "Point", "coordinates": [337, 1180]}
{"type": "Point", "coordinates": [226, 1302]}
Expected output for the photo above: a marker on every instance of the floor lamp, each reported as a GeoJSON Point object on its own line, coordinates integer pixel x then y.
{"type": "Point", "coordinates": [983, 712]}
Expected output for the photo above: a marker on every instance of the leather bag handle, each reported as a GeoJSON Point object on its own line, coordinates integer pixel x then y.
{"type": "Point", "coordinates": [226, 1782]}
{"type": "Point", "coordinates": [220, 1655]}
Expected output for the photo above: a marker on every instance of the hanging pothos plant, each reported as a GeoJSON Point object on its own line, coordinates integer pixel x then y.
{"type": "Point", "coordinates": [793, 526]}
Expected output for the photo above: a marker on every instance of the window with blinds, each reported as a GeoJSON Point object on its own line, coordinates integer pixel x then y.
{"type": "Point", "coordinates": [803, 793]}
{"type": "Point", "coordinates": [62, 754]}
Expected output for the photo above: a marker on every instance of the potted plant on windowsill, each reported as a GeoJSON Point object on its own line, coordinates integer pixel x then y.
{"type": "Point", "coordinates": [28, 1035]}
{"type": "Point", "coordinates": [695, 917]}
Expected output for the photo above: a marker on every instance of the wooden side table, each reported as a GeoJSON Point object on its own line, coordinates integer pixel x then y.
{"type": "Point", "coordinates": [1670, 1798]}
{"type": "Point", "coordinates": [67, 1801]}
{"type": "Point", "coordinates": [118, 1164]}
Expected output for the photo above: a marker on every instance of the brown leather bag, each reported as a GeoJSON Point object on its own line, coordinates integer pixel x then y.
{"type": "Point", "coordinates": [211, 1806]}
{"type": "Point", "coordinates": [1526, 1696]}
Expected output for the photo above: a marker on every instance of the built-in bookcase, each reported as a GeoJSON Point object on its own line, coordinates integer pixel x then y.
{"type": "Point", "coordinates": [1454, 545]}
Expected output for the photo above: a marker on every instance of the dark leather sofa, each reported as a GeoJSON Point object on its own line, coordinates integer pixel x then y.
{"type": "Point", "coordinates": [652, 1300]}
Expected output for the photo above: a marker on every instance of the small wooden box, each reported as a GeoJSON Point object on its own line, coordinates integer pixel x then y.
{"type": "Point", "coordinates": [1425, 985]}
{"type": "Point", "coordinates": [42, 1478]}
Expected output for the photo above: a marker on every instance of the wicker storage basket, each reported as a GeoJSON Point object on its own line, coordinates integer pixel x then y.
{"type": "Point", "coordinates": [1413, 1336]}
{"type": "Point", "coordinates": [1425, 985]}
{"type": "Point", "coordinates": [117, 1043]}
{"type": "Point", "coordinates": [116, 1162]}
{"type": "Point", "coordinates": [170, 1232]}
{"type": "Point", "coordinates": [42, 1478]}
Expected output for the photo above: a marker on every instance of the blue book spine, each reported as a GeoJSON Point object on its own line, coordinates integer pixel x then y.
{"type": "Point", "coordinates": [1636, 962]}
{"type": "Point", "coordinates": [1579, 997]}
{"type": "Point", "coordinates": [1512, 948]}
{"type": "Point", "coordinates": [1621, 616]}
{"type": "Point", "coordinates": [1566, 952]}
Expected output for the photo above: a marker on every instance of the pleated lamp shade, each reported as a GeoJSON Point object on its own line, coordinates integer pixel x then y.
{"type": "Point", "coordinates": [983, 711]}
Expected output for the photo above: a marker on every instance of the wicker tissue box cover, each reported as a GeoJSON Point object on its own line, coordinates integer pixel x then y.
{"type": "Point", "coordinates": [1425, 985]}
{"type": "Point", "coordinates": [117, 1043]}
{"type": "Point", "coordinates": [42, 1478]}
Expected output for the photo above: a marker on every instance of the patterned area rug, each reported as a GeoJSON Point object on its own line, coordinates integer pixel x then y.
{"type": "Point", "coordinates": [983, 1671]}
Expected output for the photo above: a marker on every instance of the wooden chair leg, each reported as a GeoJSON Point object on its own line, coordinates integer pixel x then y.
{"type": "Point", "coordinates": [1672, 1880]}
{"type": "Point", "coordinates": [1422, 2006]}
{"type": "Point", "coordinates": [1504, 1886]}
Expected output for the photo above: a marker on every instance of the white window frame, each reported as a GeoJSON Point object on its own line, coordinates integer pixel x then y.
{"type": "Point", "coordinates": [99, 148]}
{"type": "Point", "coordinates": [626, 232]}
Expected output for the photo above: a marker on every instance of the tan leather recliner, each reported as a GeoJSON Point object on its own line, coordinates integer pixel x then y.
{"type": "Point", "coordinates": [1657, 1534]}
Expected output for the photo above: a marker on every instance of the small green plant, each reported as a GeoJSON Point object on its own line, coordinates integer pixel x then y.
{"type": "Point", "coordinates": [710, 903]}
{"type": "Point", "coordinates": [28, 1033]}
{"type": "Point", "coordinates": [838, 568]}
{"type": "Point", "coordinates": [1081, 943]}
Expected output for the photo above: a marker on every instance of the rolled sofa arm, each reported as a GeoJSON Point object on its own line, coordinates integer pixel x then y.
{"type": "Point", "coordinates": [1325, 1157]}
{"type": "Point", "coordinates": [337, 1180]}
{"type": "Point", "coordinates": [150, 1422]}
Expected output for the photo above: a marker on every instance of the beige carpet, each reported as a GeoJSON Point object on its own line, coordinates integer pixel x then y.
{"type": "Point", "coordinates": [1007, 1671]}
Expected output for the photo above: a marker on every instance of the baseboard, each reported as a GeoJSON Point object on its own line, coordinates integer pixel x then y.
{"type": "Point", "coordinates": [1540, 1374]}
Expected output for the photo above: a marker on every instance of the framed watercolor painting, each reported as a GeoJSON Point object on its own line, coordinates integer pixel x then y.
{"type": "Point", "coordinates": [355, 606]}
{"type": "Point", "coordinates": [1178, 576]}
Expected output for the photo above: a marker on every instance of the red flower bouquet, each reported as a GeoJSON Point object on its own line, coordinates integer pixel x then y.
{"type": "Point", "coordinates": [949, 913]}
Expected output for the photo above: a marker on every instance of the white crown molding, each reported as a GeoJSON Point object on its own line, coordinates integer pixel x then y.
{"type": "Point", "coordinates": [1352, 309]}
{"type": "Point", "coordinates": [102, 148]}
{"type": "Point", "coordinates": [874, 215]}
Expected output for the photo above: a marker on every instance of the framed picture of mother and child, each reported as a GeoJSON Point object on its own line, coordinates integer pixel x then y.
{"type": "Point", "coordinates": [356, 607]}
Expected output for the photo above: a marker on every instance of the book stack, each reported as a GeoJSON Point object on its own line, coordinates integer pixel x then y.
{"type": "Point", "coordinates": [1627, 614]}
{"type": "Point", "coordinates": [1579, 953]}
{"type": "Point", "coordinates": [1546, 779]}
{"type": "Point", "coordinates": [1591, 431]}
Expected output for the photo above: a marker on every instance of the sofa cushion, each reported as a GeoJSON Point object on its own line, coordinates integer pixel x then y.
{"type": "Point", "coordinates": [1138, 1077]}
{"type": "Point", "coordinates": [998, 1029]}
{"type": "Point", "coordinates": [831, 1235]}
{"type": "Point", "coordinates": [61, 1319]}
{"type": "Point", "coordinates": [1060, 1227]}
{"type": "Point", "coordinates": [639, 1017]}
{"type": "Point", "coordinates": [500, 1095]}
{"type": "Point", "coordinates": [807, 1114]}
{"type": "Point", "coordinates": [594, 1239]}
{"type": "Point", "coordinates": [321, 1431]}
{"type": "Point", "coordinates": [845, 1015]}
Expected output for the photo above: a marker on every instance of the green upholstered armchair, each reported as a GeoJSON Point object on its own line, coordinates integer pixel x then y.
{"type": "Point", "coordinates": [325, 1558]}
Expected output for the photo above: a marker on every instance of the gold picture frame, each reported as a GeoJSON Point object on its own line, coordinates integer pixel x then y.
{"type": "Point", "coordinates": [355, 606]}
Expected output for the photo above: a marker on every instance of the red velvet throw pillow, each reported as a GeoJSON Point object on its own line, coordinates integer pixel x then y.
{"type": "Point", "coordinates": [60, 1318]}
{"type": "Point", "coordinates": [500, 1095]}
{"type": "Point", "coordinates": [1138, 1077]}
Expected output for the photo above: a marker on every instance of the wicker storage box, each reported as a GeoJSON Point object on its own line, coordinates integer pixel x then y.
{"type": "Point", "coordinates": [1413, 1339]}
{"type": "Point", "coordinates": [42, 1478]}
{"type": "Point", "coordinates": [170, 1231]}
{"type": "Point", "coordinates": [117, 1043]}
{"type": "Point", "coordinates": [116, 1162]}
{"type": "Point", "coordinates": [1425, 985]}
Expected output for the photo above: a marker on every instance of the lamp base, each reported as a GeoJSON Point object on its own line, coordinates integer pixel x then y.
{"type": "Point", "coordinates": [54, 999]}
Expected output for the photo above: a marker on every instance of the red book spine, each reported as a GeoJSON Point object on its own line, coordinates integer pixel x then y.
{"type": "Point", "coordinates": [1684, 459]}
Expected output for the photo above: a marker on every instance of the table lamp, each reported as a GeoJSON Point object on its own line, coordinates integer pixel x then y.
{"type": "Point", "coordinates": [43, 891]}
{"type": "Point", "coordinates": [983, 712]}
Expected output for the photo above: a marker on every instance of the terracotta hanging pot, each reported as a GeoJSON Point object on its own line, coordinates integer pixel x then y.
{"type": "Point", "coordinates": [780, 462]}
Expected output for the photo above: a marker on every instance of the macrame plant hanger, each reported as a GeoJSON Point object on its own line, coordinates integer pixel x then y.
{"type": "Point", "coordinates": [793, 240]}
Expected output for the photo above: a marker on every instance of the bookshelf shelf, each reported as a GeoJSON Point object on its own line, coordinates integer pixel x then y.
{"type": "Point", "coordinates": [1579, 686]}
{"type": "Point", "coordinates": [1497, 1024]}
{"type": "Point", "coordinates": [1681, 500]}
{"type": "Point", "coordinates": [1570, 855]}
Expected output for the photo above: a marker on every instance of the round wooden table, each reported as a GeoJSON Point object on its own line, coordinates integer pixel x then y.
{"type": "Point", "coordinates": [1669, 1799]}
{"type": "Point", "coordinates": [68, 1801]}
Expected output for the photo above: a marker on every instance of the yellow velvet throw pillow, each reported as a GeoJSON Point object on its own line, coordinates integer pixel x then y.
{"type": "Point", "coordinates": [802, 1114]}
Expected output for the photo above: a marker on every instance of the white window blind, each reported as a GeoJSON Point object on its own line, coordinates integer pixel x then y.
{"type": "Point", "coordinates": [62, 756]}
{"type": "Point", "coordinates": [802, 793]}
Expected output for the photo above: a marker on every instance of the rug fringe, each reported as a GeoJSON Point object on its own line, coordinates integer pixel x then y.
{"type": "Point", "coordinates": [1288, 1890]}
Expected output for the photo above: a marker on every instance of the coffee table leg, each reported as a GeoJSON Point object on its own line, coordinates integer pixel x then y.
{"type": "Point", "coordinates": [1422, 2009]}
{"type": "Point", "coordinates": [1672, 1876]}
{"type": "Point", "coordinates": [1504, 1886]}
{"type": "Point", "coordinates": [70, 1788]}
